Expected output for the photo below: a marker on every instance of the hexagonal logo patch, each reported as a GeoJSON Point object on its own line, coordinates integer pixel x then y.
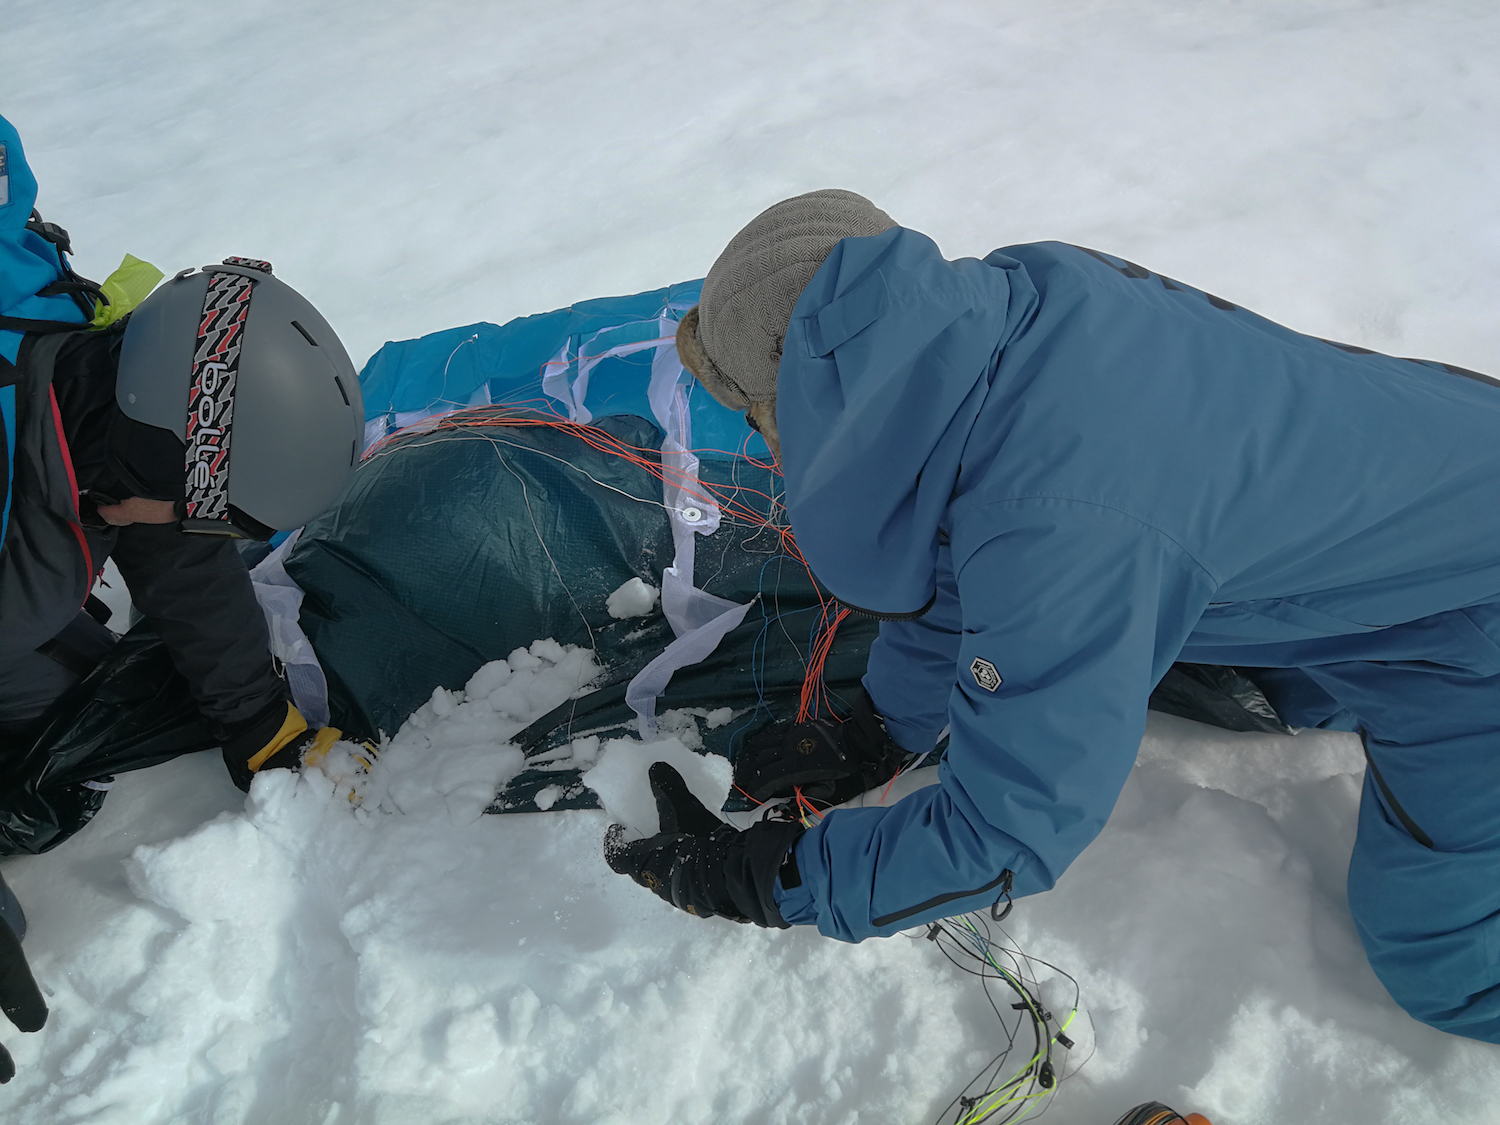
{"type": "Point", "coordinates": [986, 675]}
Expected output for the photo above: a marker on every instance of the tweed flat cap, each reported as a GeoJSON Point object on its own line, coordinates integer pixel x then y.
{"type": "Point", "coordinates": [731, 340]}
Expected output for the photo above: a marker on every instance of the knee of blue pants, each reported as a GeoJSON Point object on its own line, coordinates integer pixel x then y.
{"type": "Point", "coordinates": [1430, 923]}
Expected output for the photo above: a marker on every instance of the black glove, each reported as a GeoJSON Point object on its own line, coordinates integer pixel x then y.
{"type": "Point", "coordinates": [829, 762]}
{"type": "Point", "coordinates": [276, 739]}
{"type": "Point", "coordinates": [702, 865]}
{"type": "Point", "coordinates": [20, 998]}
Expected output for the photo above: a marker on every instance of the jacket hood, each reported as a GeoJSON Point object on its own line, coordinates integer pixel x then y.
{"type": "Point", "coordinates": [888, 360]}
{"type": "Point", "coordinates": [28, 262]}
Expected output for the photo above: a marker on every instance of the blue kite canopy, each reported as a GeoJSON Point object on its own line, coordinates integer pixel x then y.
{"type": "Point", "coordinates": [528, 530]}
{"type": "Point", "coordinates": [590, 360]}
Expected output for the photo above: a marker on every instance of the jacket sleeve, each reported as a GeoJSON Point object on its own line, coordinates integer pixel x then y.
{"type": "Point", "coordinates": [196, 590]}
{"type": "Point", "coordinates": [1079, 610]}
{"type": "Point", "coordinates": [911, 668]}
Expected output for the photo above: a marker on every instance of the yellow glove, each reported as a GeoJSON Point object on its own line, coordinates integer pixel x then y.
{"type": "Point", "coordinates": [290, 747]}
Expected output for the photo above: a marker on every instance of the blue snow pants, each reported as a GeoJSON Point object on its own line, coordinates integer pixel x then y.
{"type": "Point", "coordinates": [1424, 879]}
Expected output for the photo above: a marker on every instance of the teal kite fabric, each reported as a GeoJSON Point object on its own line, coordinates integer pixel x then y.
{"type": "Point", "coordinates": [589, 360]}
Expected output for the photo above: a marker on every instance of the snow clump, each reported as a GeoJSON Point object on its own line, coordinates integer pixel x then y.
{"type": "Point", "coordinates": [633, 599]}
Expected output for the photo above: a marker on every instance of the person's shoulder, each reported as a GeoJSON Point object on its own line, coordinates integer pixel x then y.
{"type": "Point", "coordinates": [1042, 257]}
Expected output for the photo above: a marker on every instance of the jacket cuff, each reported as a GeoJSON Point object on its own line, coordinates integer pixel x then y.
{"type": "Point", "coordinates": [794, 897]}
{"type": "Point", "coordinates": [753, 867]}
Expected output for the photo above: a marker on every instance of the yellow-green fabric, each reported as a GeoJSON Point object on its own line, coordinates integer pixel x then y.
{"type": "Point", "coordinates": [124, 289]}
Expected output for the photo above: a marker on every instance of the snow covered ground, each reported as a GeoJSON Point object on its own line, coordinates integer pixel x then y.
{"type": "Point", "coordinates": [1330, 163]}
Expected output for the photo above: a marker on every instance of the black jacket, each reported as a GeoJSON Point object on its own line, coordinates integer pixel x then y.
{"type": "Point", "coordinates": [72, 441]}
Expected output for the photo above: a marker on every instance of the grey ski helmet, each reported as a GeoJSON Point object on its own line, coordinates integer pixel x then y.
{"type": "Point", "coordinates": [251, 378]}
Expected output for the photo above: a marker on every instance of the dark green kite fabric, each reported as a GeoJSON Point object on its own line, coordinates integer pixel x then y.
{"type": "Point", "coordinates": [454, 548]}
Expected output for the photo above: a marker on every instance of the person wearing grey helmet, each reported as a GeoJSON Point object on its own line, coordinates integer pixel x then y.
{"type": "Point", "coordinates": [249, 377]}
{"type": "Point", "coordinates": [224, 407]}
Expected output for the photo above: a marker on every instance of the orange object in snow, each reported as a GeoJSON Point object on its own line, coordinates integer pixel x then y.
{"type": "Point", "coordinates": [1154, 1113]}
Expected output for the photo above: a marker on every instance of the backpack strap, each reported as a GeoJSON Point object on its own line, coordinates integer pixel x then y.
{"type": "Point", "coordinates": [9, 375]}
{"type": "Point", "coordinates": [41, 327]}
{"type": "Point", "coordinates": [83, 291]}
{"type": "Point", "coordinates": [49, 231]}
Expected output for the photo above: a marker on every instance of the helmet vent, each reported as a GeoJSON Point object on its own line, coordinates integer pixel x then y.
{"type": "Point", "coordinates": [305, 334]}
{"type": "Point", "coordinates": [340, 383]}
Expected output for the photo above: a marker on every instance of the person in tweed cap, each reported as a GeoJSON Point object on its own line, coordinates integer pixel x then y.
{"type": "Point", "coordinates": [1052, 473]}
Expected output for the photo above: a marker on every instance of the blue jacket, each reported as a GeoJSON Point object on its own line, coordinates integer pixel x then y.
{"type": "Point", "coordinates": [47, 562]}
{"type": "Point", "coordinates": [28, 262]}
{"type": "Point", "coordinates": [1096, 471]}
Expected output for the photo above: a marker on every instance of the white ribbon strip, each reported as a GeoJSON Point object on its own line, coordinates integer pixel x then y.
{"type": "Point", "coordinates": [699, 619]}
{"type": "Point", "coordinates": [280, 600]}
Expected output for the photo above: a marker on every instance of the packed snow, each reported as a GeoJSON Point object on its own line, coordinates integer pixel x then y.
{"type": "Point", "coordinates": [397, 957]}
{"type": "Point", "coordinates": [303, 957]}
